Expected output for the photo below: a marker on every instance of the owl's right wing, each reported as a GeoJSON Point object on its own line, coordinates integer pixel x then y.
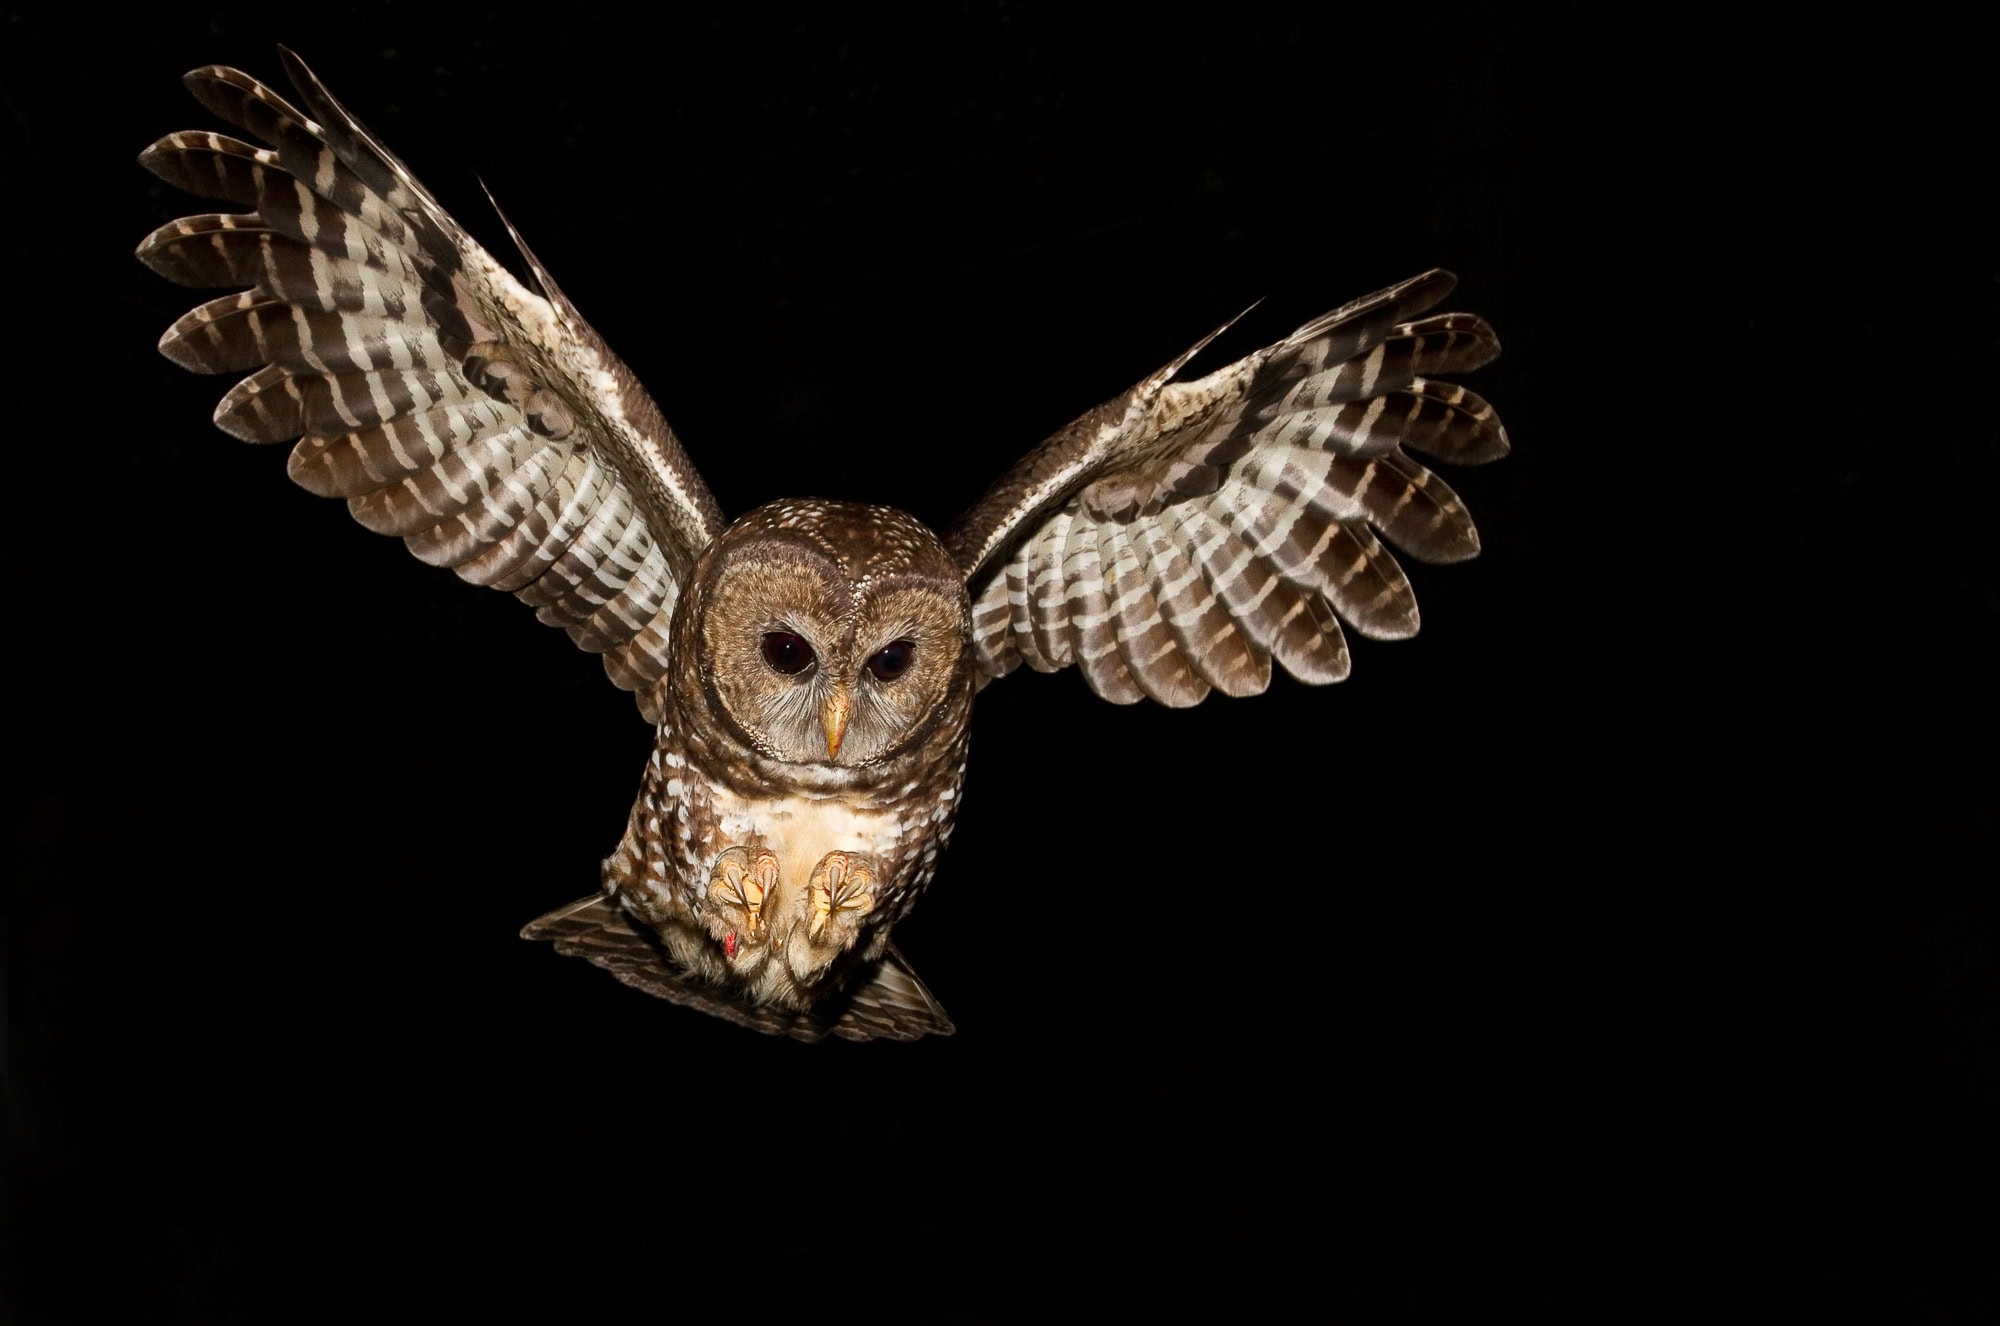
{"type": "Point", "coordinates": [1182, 536]}
{"type": "Point", "coordinates": [484, 423]}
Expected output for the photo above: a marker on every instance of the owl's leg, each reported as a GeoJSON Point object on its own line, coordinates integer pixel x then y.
{"type": "Point", "coordinates": [741, 879]}
{"type": "Point", "coordinates": [841, 892]}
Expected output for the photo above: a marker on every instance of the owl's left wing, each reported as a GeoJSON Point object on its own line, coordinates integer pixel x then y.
{"type": "Point", "coordinates": [1182, 536]}
{"type": "Point", "coordinates": [483, 422]}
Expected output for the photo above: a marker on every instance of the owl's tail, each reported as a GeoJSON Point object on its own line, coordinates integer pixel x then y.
{"type": "Point", "coordinates": [887, 1002]}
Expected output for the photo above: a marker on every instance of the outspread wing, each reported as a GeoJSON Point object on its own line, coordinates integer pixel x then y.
{"type": "Point", "coordinates": [484, 423]}
{"type": "Point", "coordinates": [1177, 539]}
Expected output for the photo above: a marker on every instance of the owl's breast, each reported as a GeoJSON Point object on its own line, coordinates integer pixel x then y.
{"type": "Point", "coordinates": [697, 865]}
{"type": "Point", "coordinates": [801, 830]}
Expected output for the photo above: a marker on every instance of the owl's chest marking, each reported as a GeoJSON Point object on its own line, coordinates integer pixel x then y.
{"type": "Point", "coordinates": [801, 830]}
{"type": "Point", "coordinates": [766, 888]}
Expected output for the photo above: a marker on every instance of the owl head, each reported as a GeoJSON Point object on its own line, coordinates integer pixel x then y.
{"type": "Point", "coordinates": [829, 635]}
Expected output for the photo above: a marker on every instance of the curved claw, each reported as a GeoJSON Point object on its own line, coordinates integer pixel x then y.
{"type": "Point", "coordinates": [745, 877]}
{"type": "Point", "coordinates": [843, 882]}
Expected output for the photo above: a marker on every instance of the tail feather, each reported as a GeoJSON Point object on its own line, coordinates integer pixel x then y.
{"type": "Point", "coordinates": [885, 1001]}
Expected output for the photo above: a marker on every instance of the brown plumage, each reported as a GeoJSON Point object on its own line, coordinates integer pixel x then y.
{"type": "Point", "coordinates": [811, 667]}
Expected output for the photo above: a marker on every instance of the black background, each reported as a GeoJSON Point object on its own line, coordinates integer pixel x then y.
{"type": "Point", "coordinates": [1626, 942]}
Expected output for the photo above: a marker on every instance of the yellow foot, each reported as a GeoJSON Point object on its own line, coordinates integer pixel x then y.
{"type": "Point", "coordinates": [842, 891]}
{"type": "Point", "coordinates": [738, 884]}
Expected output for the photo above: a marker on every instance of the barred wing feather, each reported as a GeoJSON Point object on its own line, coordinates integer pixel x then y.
{"type": "Point", "coordinates": [1180, 538]}
{"type": "Point", "coordinates": [483, 423]}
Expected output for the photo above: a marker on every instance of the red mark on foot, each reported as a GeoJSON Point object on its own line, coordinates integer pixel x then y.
{"type": "Point", "coordinates": [729, 944]}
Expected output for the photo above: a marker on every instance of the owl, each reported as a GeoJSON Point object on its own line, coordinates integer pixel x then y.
{"type": "Point", "coordinates": [810, 668]}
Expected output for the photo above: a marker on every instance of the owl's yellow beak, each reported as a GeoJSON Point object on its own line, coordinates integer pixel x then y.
{"type": "Point", "coordinates": [835, 721]}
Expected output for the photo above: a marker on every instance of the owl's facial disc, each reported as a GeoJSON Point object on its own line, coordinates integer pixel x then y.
{"type": "Point", "coordinates": [908, 644]}
{"type": "Point", "coordinates": [816, 652]}
{"type": "Point", "coordinates": [770, 634]}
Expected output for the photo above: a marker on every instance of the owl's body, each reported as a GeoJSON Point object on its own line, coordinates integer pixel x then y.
{"type": "Point", "coordinates": [713, 788]}
{"type": "Point", "coordinates": [810, 668]}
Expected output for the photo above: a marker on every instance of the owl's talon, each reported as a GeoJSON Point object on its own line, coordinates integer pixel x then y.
{"type": "Point", "coordinates": [843, 882]}
{"type": "Point", "coordinates": [745, 878]}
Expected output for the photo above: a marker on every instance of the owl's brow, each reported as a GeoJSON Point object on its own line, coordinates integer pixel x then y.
{"type": "Point", "coordinates": [789, 621]}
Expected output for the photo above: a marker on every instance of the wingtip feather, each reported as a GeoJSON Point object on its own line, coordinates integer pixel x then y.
{"type": "Point", "coordinates": [304, 79]}
{"type": "Point", "coordinates": [176, 346]}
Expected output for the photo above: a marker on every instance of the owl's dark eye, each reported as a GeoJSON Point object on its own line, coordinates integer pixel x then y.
{"type": "Point", "coordinates": [787, 653]}
{"type": "Point", "coordinates": [892, 660]}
